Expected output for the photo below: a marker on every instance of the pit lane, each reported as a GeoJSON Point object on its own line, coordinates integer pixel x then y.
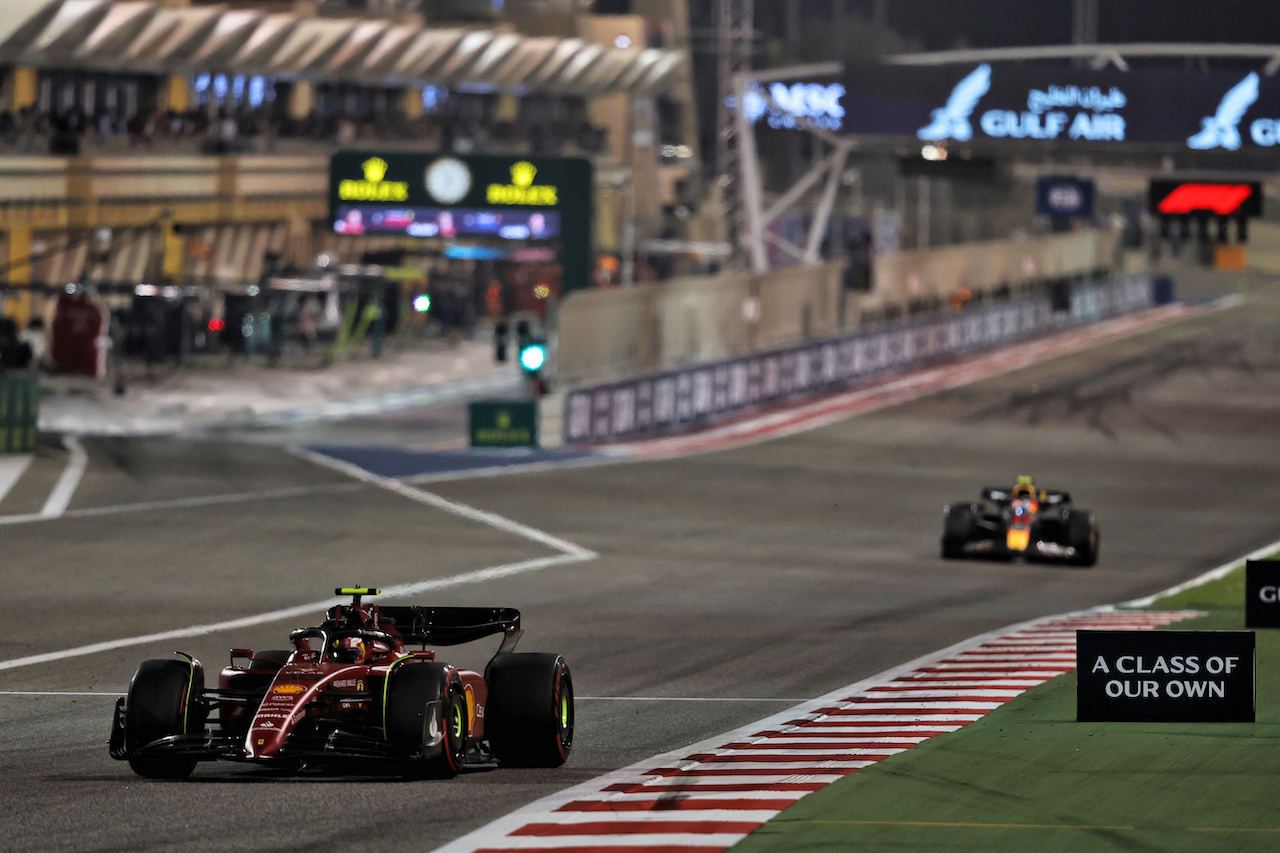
{"type": "Point", "coordinates": [750, 577]}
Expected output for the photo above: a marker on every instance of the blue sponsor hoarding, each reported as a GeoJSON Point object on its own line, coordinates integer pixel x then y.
{"type": "Point", "coordinates": [1062, 197]}
{"type": "Point", "coordinates": [1201, 111]}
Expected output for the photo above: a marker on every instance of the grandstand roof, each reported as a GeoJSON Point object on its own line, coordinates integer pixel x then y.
{"type": "Point", "coordinates": [142, 36]}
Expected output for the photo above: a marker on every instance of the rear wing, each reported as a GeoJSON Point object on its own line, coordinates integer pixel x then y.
{"type": "Point", "coordinates": [1000, 495]}
{"type": "Point", "coordinates": [451, 626]}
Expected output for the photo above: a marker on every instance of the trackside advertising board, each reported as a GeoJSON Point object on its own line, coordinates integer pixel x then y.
{"type": "Point", "coordinates": [503, 423]}
{"type": "Point", "coordinates": [1262, 594]}
{"type": "Point", "coordinates": [675, 400]}
{"type": "Point", "coordinates": [1165, 676]}
{"type": "Point", "coordinates": [1063, 197]}
{"type": "Point", "coordinates": [19, 410]}
{"type": "Point", "coordinates": [1200, 111]}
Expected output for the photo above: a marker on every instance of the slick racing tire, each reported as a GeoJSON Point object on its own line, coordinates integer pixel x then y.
{"type": "Point", "coordinates": [957, 530]}
{"type": "Point", "coordinates": [1083, 535]}
{"type": "Point", "coordinates": [423, 704]}
{"type": "Point", "coordinates": [164, 699]}
{"type": "Point", "coordinates": [529, 715]}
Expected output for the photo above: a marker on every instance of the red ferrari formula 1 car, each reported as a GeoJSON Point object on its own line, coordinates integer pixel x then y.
{"type": "Point", "coordinates": [350, 691]}
{"type": "Point", "coordinates": [1036, 524]}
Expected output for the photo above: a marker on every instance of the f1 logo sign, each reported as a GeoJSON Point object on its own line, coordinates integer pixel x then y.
{"type": "Point", "coordinates": [1222, 199]}
{"type": "Point", "coordinates": [1167, 197]}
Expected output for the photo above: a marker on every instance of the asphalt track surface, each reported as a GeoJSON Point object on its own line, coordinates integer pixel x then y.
{"type": "Point", "coordinates": [728, 584]}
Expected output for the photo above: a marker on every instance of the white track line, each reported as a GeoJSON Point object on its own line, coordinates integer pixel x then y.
{"type": "Point", "coordinates": [69, 480]}
{"type": "Point", "coordinates": [848, 716]}
{"type": "Point", "coordinates": [11, 470]}
{"type": "Point", "coordinates": [399, 591]}
{"type": "Point", "coordinates": [492, 519]}
{"type": "Point", "coordinates": [185, 503]}
{"type": "Point", "coordinates": [56, 693]}
{"type": "Point", "coordinates": [684, 699]}
{"type": "Point", "coordinates": [763, 757]}
{"type": "Point", "coordinates": [569, 552]}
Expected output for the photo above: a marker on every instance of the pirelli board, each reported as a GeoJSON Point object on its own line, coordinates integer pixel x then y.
{"type": "Point", "coordinates": [457, 196]}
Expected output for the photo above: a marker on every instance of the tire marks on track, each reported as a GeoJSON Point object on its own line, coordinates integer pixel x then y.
{"type": "Point", "coordinates": [710, 796]}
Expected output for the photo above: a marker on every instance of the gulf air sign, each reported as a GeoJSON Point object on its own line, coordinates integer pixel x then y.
{"type": "Point", "coordinates": [1052, 112]}
{"type": "Point", "coordinates": [1053, 105]}
{"type": "Point", "coordinates": [1222, 129]}
{"type": "Point", "coordinates": [1205, 198]}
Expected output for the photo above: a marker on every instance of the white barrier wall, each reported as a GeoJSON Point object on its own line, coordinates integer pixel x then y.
{"type": "Point", "coordinates": [901, 277]}
{"type": "Point", "coordinates": [611, 334]}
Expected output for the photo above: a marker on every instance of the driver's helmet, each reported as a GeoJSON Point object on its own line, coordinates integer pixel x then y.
{"type": "Point", "coordinates": [348, 650]}
{"type": "Point", "coordinates": [1024, 488]}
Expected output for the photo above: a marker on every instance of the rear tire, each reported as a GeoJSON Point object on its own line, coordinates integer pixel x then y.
{"type": "Point", "coordinates": [1084, 536]}
{"type": "Point", "coordinates": [529, 717]}
{"type": "Point", "coordinates": [957, 530]}
{"type": "Point", "coordinates": [421, 706]}
{"type": "Point", "coordinates": [269, 661]}
{"type": "Point", "coordinates": [163, 701]}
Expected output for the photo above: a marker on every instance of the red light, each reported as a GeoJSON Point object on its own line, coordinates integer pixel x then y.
{"type": "Point", "coordinates": [217, 324]}
{"type": "Point", "coordinates": [1222, 199]}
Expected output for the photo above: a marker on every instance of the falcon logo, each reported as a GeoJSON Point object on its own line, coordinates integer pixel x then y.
{"type": "Point", "coordinates": [1220, 129]}
{"type": "Point", "coordinates": [952, 121]}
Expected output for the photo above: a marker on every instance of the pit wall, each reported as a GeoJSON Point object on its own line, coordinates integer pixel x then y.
{"type": "Point", "coordinates": [902, 277]}
{"type": "Point", "coordinates": [612, 334]}
{"type": "Point", "coordinates": [676, 400]}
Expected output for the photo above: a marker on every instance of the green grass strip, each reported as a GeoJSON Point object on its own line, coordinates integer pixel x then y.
{"type": "Point", "coordinates": [1028, 777]}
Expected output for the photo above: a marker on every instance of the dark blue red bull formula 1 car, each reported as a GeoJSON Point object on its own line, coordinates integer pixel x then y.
{"type": "Point", "coordinates": [1036, 524]}
{"type": "Point", "coordinates": [351, 691]}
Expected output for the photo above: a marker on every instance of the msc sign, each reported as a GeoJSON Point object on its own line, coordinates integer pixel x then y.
{"type": "Point", "coordinates": [1165, 676]}
{"type": "Point", "coordinates": [522, 190]}
{"type": "Point", "coordinates": [373, 187]}
{"type": "Point", "coordinates": [796, 105]}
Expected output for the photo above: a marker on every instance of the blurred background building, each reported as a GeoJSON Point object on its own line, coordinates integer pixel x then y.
{"type": "Point", "coordinates": [165, 142]}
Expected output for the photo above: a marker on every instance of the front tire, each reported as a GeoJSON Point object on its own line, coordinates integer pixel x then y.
{"type": "Point", "coordinates": [957, 530]}
{"type": "Point", "coordinates": [529, 718]}
{"type": "Point", "coordinates": [164, 699]}
{"type": "Point", "coordinates": [1084, 536]}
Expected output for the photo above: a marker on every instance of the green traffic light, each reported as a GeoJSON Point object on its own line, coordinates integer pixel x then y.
{"type": "Point", "coordinates": [533, 356]}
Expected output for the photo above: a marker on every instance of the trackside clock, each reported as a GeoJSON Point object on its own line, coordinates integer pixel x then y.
{"type": "Point", "coordinates": [448, 180]}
